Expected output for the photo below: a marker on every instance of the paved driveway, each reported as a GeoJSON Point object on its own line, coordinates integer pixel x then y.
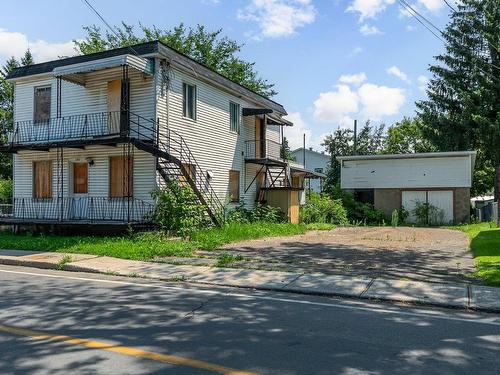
{"type": "Point", "coordinates": [439, 255]}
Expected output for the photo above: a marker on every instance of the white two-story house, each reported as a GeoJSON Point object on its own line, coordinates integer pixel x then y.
{"type": "Point", "coordinates": [94, 135]}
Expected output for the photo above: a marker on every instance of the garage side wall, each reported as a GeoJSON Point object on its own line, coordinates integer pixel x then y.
{"type": "Point", "coordinates": [462, 205]}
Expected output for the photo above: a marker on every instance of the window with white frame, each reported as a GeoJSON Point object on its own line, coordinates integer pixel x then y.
{"type": "Point", "coordinates": [234, 117]}
{"type": "Point", "coordinates": [189, 100]}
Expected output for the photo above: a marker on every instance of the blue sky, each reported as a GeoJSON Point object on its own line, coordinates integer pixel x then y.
{"type": "Point", "coordinates": [333, 61]}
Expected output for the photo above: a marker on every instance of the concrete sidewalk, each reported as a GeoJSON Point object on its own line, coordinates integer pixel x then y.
{"type": "Point", "coordinates": [437, 294]}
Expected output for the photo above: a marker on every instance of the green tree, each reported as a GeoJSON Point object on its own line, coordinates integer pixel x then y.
{"type": "Point", "coordinates": [406, 137]}
{"type": "Point", "coordinates": [370, 140]}
{"type": "Point", "coordinates": [462, 111]}
{"type": "Point", "coordinates": [7, 107]}
{"type": "Point", "coordinates": [209, 48]}
{"type": "Point", "coordinates": [285, 151]}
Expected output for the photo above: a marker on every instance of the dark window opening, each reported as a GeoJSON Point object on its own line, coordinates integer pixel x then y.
{"type": "Point", "coordinates": [364, 196]}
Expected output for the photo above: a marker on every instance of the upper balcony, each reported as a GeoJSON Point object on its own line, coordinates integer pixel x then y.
{"type": "Point", "coordinates": [266, 151]}
{"type": "Point", "coordinates": [76, 130]}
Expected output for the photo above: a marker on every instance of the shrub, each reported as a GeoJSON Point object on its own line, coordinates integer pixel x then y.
{"type": "Point", "coordinates": [259, 213]}
{"type": "Point", "coordinates": [178, 210]}
{"type": "Point", "coordinates": [357, 212]}
{"type": "Point", "coordinates": [323, 209]}
{"type": "Point", "coordinates": [6, 189]}
{"type": "Point", "coordinates": [428, 214]}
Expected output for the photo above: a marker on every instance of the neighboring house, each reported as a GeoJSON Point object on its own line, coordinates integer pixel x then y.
{"type": "Point", "coordinates": [391, 182]}
{"type": "Point", "coordinates": [315, 161]}
{"type": "Point", "coordinates": [94, 135]}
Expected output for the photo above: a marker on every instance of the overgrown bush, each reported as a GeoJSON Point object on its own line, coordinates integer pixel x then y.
{"type": "Point", "coordinates": [259, 213]}
{"type": "Point", "coordinates": [323, 209]}
{"type": "Point", "coordinates": [428, 214]}
{"type": "Point", "coordinates": [6, 190]}
{"type": "Point", "coordinates": [357, 212]}
{"type": "Point", "coordinates": [178, 210]}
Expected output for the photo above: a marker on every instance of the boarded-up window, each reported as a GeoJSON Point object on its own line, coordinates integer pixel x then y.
{"type": "Point", "coordinates": [80, 178]}
{"type": "Point", "coordinates": [296, 182]}
{"type": "Point", "coordinates": [42, 104]}
{"type": "Point", "coordinates": [260, 182]}
{"type": "Point", "coordinates": [42, 179]}
{"type": "Point", "coordinates": [121, 176]}
{"type": "Point", "coordinates": [234, 186]}
{"type": "Point", "coordinates": [191, 170]}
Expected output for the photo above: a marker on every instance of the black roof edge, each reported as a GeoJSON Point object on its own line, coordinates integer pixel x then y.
{"type": "Point", "coordinates": [141, 49]}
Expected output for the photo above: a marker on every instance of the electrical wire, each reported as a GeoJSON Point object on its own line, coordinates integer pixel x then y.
{"type": "Point", "coordinates": [108, 25]}
{"type": "Point", "coordinates": [449, 5]}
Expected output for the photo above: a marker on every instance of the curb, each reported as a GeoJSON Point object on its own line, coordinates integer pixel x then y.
{"type": "Point", "coordinates": [75, 268]}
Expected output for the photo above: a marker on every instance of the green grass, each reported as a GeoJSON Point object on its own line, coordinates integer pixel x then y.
{"type": "Point", "coordinates": [147, 246]}
{"type": "Point", "coordinates": [485, 244]}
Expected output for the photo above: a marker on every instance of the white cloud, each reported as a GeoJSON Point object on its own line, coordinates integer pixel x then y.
{"type": "Point", "coordinates": [15, 44]}
{"type": "Point", "coordinates": [355, 79]}
{"type": "Point", "coordinates": [335, 106]}
{"type": "Point", "coordinates": [369, 101]}
{"type": "Point", "coordinates": [422, 82]}
{"type": "Point", "coordinates": [379, 101]}
{"type": "Point", "coordinates": [368, 8]}
{"type": "Point", "coordinates": [367, 30]}
{"type": "Point", "coordinates": [278, 18]}
{"type": "Point", "coordinates": [432, 5]}
{"type": "Point", "coordinates": [396, 72]}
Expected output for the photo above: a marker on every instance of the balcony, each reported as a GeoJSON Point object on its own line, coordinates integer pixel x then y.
{"type": "Point", "coordinates": [263, 149]}
{"type": "Point", "coordinates": [76, 209]}
{"type": "Point", "coordinates": [77, 129]}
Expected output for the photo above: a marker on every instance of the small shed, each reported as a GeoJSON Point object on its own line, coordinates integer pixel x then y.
{"type": "Point", "coordinates": [286, 198]}
{"type": "Point", "coordinates": [389, 182]}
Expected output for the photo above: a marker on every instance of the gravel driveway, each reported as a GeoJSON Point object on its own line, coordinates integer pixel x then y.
{"type": "Point", "coordinates": [425, 254]}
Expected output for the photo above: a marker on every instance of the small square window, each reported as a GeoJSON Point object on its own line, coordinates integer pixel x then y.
{"type": "Point", "coordinates": [234, 117]}
{"type": "Point", "coordinates": [189, 101]}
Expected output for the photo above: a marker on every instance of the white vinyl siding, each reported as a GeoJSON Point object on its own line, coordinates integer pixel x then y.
{"type": "Point", "coordinates": [406, 173]}
{"type": "Point", "coordinates": [91, 98]}
{"type": "Point", "coordinates": [214, 147]}
{"type": "Point", "coordinates": [98, 173]}
{"type": "Point", "coordinates": [234, 117]}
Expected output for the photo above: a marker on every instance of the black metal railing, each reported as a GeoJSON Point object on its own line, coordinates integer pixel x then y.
{"type": "Point", "coordinates": [89, 209]}
{"type": "Point", "coordinates": [262, 149]}
{"type": "Point", "coordinates": [67, 128]}
{"type": "Point", "coordinates": [172, 143]}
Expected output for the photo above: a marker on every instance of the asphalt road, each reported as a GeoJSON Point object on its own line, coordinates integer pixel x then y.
{"type": "Point", "coordinates": [54, 322]}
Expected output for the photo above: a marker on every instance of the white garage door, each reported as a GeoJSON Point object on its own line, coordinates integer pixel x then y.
{"type": "Point", "coordinates": [442, 199]}
{"type": "Point", "coordinates": [409, 202]}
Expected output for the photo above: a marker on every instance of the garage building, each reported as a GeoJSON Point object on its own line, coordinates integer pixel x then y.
{"type": "Point", "coordinates": [390, 182]}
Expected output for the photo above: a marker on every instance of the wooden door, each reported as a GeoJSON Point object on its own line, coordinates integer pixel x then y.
{"type": "Point", "coordinates": [80, 178]}
{"type": "Point", "coordinates": [114, 105]}
{"type": "Point", "coordinates": [121, 177]}
{"type": "Point", "coordinates": [294, 207]}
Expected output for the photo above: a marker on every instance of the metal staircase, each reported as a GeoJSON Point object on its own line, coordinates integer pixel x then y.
{"type": "Point", "coordinates": [175, 161]}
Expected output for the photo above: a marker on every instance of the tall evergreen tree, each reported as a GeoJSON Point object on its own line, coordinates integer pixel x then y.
{"type": "Point", "coordinates": [209, 48]}
{"type": "Point", "coordinates": [462, 111]}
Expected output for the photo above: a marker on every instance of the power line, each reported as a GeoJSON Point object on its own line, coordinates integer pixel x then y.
{"type": "Point", "coordinates": [420, 18]}
{"type": "Point", "coordinates": [449, 5]}
{"type": "Point", "coordinates": [108, 25]}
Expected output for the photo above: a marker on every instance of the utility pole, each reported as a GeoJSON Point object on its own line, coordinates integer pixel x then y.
{"type": "Point", "coordinates": [355, 137]}
{"type": "Point", "coordinates": [304, 150]}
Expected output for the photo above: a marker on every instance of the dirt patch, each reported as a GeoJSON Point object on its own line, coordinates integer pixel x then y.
{"type": "Point", "coordinates": [425, 254]}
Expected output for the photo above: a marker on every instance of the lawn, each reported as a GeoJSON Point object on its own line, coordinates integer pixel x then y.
{"type": "Point", "coordinates": [485, 244]}
{"type": "Point", "coordinates": [147, 246]}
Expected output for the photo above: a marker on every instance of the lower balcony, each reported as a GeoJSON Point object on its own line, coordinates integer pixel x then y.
{"type": "Point", "coordinates": [95, 210]}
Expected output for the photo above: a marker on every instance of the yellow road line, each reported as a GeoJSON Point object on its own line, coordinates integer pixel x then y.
{"type": "Point", "coordinates": [133, 352]}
